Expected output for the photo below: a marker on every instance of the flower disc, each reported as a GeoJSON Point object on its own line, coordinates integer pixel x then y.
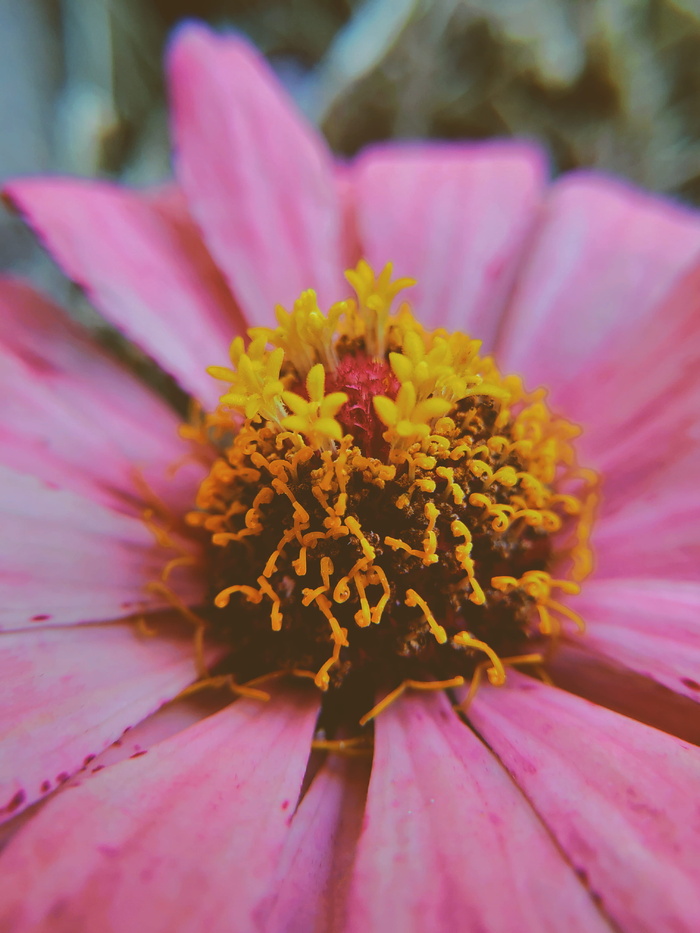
{"type": "Point", "coordinates": [384, 501]}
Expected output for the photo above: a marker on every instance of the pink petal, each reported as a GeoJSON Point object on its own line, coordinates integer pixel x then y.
{"type": "Point", "coordinates": [620, 798]}
{"type": "Point", "coordinates": [651, 626]}
{"type": "Point", "coordinates": [449, 843]}
{"type": "Point", "coordinates": [310, 890]}
{"type": "Point", "coordinates": [66, 694]}
{"type": "Point", "coordinates": [585, 672]}
{"type": "Point", "coordinates": [72, 417]}
{"type": "Point", "coordinates": [144, 267]}
{"type": "Point", "coordinates": [604, 255]}
{"type": "Point", "coordinates": [640, 398]}
{"type": "Point", "coordinates": [455, 218]}
{"type": "Point", "coordinates": [182, 838]}
{"type": "Point", "coordinates": [350, 236]}
{"type": "Point", "coordinates": [655, 534]}
{"type": "Point", "coordinates": [258, 179]}
{"type": "Point", "coordinates": [66, 559]}
{"type": "Point", "coordinates": [168, 720]}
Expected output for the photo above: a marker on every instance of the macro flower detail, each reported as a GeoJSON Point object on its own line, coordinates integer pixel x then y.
{"type": "Point", "coordinates": [454, 501]}
{"type": "Point", "coordinates": [312, 658]}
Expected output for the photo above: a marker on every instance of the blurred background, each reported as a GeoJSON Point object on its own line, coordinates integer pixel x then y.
{"type": "Point", "coordinates": [607, 83]}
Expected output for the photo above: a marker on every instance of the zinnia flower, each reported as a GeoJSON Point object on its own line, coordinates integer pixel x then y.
{"type": "Point", "coordinates": [375, 516]}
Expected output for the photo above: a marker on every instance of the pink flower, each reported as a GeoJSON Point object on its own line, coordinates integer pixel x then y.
{"type": "Point", "coordinates": [553, 812]}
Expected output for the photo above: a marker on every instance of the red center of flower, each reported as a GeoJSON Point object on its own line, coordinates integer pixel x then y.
{"type": "Point", "coordinates": [363, 379]}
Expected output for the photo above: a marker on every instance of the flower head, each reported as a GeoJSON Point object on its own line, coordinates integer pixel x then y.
{"type": "Point", "coordinates": [455, 500]}
{"type": "Point", "coordinates": [372, 519]}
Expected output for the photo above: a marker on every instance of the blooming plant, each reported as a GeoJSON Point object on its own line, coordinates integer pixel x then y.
{"type": "Point", "coordinates": [347, 578]}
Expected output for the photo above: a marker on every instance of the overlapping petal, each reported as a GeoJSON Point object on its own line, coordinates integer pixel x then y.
{"type": "Point", "coordinates": [66, 559]}
{"type": "Point", "coordinates": [603, 256]}
{"type": "Point", "coordinates": [588, 673]}
{"type": "Point", "coordinates": [455, 218]}
{"type": "Point", "coordinates": [183, 837]}
{"type": "Point", "coordinates": [259, 181]}
{"type": "Point", "coordinates": [143, 265]}
{"type": "Point", "coordinates": [650, 626]}
{"type": "Point", "coordinates": [450, 843]}
{"type": "Point", "coordinates": [74, 418]}
{"type": "Point", "coordinates": [639, 398]}
{"type": "Point", "coordinates": [67, 693]}
{"type": "Point", "coordinates": [655, 534]}
{"type": "Point", "coordinates": [620, 798]}
{"type": "Point", "coordinates": [309, 887]}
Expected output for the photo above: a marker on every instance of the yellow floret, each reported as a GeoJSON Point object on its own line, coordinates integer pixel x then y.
{"type": "Point", "coordinates": [315, 418]}
{"type": "Point", "coordinates": [375, 295]}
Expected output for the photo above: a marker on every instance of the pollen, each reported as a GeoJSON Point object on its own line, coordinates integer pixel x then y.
{"type": "Point", "coordinates": [385, 506]}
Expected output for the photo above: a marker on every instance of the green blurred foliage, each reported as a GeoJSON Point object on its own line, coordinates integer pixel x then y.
{"type": "Point", "coordinates": [607, 83]}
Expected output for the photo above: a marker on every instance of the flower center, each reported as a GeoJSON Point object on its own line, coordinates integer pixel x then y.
{"type": "Point", "coordinates": [385, 505]}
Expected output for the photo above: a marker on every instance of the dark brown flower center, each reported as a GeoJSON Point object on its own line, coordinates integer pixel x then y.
{"type": "Point", "coordinates": [390, 508]}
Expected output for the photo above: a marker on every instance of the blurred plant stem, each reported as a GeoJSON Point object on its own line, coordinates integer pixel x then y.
{"type": "Point", "coordinates": [607, 83]}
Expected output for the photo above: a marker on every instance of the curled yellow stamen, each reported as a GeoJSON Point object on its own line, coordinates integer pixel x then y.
{"type": "Point", "coordinates": [495, 672]}
{"type": "Point", "coordinates": [410, 685]}
{"type": "Point", "coordinates": [413, 599]}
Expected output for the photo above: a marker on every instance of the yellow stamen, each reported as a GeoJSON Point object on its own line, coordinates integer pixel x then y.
{"type": "Point", "coordinates": [339, 634]}
{"type": "Point", "coordinates": [200, 625]}
{"type": "Point", "coordinates": [413, 599]}
{"type": "Point", "coordinates": [321, 679]}
{"type": "Point", "coordinates": [475, 683]}
{"type": "Point", "coordinates": [364, 616]}
{"type": "Point", "coordinates": [275, 613]}
{"type": "Point", "coordinates": [410, 685]}
{"type": "Point", "coordinates": [379, 608]}
{"type": "Point", "coordinates": [495, 671]}
{"type": "Point", "coordinates": [359, 745]}
{"type": "Point", "coordinates": [221, 600]}
{"type": "Point", "coordinates": [355, 529]}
